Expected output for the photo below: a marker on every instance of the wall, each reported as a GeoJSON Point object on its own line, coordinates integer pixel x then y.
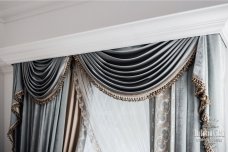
{"type": "Point", "coordinates": [8, 83]}
{"type": "Point", "coordinates": [1, 96]}
{"type": "Point", "coordinates": [2, 33]}
{"type": "Point", "coordinates": [1, 112]}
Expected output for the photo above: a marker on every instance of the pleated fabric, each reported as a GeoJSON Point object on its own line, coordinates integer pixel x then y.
{"type": "Point", "coordinates": [188, 119]}
{"type": "Point", "coordinates": [209, 71]}
{"type": "Point", "coordinates": [42, 126]}
{"type": "Point", "coordinates": [186, 116]}
{"type": "Point", "coordinates": [75, 131]}
{"type": "Point", "coordinates": [43, 79]}
{"type": "Point", "coordinates": [139, 70]}
{"type": "Point", "coordinates": [40, 92]}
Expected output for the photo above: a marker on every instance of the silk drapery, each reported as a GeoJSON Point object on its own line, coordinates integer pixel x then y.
{"type": "Point", "coordinates": [61, 103]}
{"type": "Point", "coordinates": [40, 96]}
{"type": "Point", "coordinates": [139, 72]}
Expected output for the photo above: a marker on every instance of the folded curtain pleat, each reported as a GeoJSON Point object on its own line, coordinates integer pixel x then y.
{"type": "Point", "coordinates": [140, 68]}
{"type": "Point", "coordinates": [43, 78]}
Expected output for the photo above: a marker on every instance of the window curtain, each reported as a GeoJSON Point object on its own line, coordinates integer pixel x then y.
{"type": "Point", "coordinates": [165, 96]}
{"type": "Point", "coordinates": [39, 105]}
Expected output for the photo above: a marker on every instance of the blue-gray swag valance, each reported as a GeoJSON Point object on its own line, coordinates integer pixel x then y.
{"type": "Point", "coordinates": [139, 72]}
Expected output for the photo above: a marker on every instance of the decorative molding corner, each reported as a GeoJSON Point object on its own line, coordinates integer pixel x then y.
{"type": "Point", "coordinates": [186, 24]}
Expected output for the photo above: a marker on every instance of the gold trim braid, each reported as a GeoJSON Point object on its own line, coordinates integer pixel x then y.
{"type": "Point", "coordinates": [60, 84]}
{"type": "Point", "coordinates": [15, 109]}
{"type": "Point", "coordinates": [204, 102]}
{"type": "Point", "coordinates": [140, 96]}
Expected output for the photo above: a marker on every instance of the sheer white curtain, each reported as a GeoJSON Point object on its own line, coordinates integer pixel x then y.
{"type": "Point", "coordinates": [117, 126]}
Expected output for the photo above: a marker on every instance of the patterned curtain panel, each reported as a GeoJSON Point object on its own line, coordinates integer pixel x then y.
{"type": "Point", "coordinates": [79, 104]}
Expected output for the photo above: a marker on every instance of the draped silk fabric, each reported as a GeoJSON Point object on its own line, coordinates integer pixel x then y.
{"type": "Point", "coordinates": [43, 78]}
{"type": "Point", "coordinates": [74, 106]}
{"type": "Point", "coordinates": [139, 70]}
{"type": "Point", "coordinates": [36, 127]}
{"type": "Point", "coordinates": [210, 80]}
{"type": "Point", "coordinates": [75, 131]}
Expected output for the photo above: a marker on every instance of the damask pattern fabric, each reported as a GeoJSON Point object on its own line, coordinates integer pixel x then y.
{"type": "Point", "coordinates": [160, 122]}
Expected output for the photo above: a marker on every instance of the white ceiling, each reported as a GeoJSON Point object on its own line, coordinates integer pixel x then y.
{"type": "Point", "coordinates": [15, 10]}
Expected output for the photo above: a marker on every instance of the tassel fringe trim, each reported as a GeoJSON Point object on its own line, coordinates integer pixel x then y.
{"type": "Point", "coordinates": [15, 109]}
{"type": "Point", "coordinates": [204, 102]}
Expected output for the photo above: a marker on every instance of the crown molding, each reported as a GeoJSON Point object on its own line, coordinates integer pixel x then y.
{"type": "Point", "coordinates": [186, 24]}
